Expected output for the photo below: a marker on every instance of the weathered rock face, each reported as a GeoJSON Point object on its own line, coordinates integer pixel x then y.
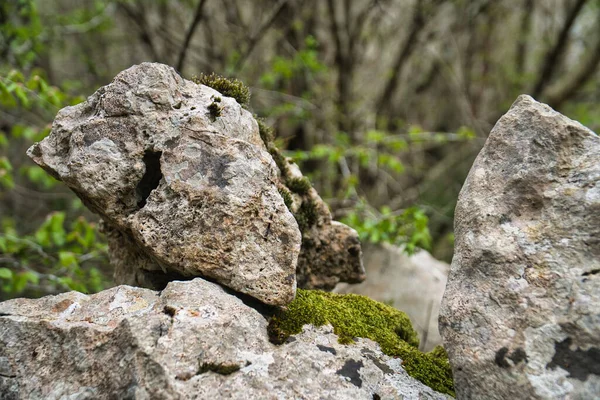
{"type": "Point", "coordinates": [414, 284]}
{"type": "Point", "coordinates": [190, 341]}
{"type": "Point", "coordinates": [183, 192]}
{"type": "Point", "coordinates": [521, 313]}
{"type": "Point", "coordinates": [331, 251]}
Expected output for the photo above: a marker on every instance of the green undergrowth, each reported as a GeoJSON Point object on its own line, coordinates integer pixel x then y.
{"type": "Point", "coordinates": [353, 316]}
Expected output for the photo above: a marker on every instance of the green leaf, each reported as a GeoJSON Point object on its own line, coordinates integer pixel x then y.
{"type": "Point", "coordinates": [67, 259]}
{"type": "Point", "coordinates": [19, 91]}
{"type": "Point", "coordinates": [6, 273]}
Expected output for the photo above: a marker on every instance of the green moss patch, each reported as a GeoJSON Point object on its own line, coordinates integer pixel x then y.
{"type": "Point", "coordinates": [287, 197]}
{"type": "Point", "coordinates": [222, 369]}
{"type": "Point", "coordinates": [214, 108]}
{"type": "Point", "coordinates": [266, 132]}
{"type": "Point", "coordinates": [227, 87]}
{"type": "Point", "coordinates": [355, 316]}
{"type": "Point", "coordinates": [299, 185]}
{"type": "Point", "coordinates": [307, 215]}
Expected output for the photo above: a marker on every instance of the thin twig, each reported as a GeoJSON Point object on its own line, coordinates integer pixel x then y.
{"type": "Point", "coordinates": [190, 33]}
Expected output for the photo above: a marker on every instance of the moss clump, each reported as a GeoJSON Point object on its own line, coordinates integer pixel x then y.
{"type": "Point", "coordinates": [307, 215]}
{"type": "Point", "coordinates": [358, 316]}
{"type": "Point", "coordinates": [222, 369]}
{"type": "Point", "coordinates": [266, 132]}
{"type": "Point", "coordinates": [227, 87]}
{"type": "Point", "coordinates": [299, 185]}
{"type": "Point", "coordinates": [287, 197]}
{"type": "Point", "coordinates": [214, 108]}
{"type": "Point", "coordinates": [280, 161]}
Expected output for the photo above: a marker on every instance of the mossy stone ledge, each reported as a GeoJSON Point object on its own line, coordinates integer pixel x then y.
{"type": "Point", "coordinates": [353, 316]}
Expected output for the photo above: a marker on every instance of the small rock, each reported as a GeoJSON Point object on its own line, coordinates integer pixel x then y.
{"type": "Point", "coordinates": [521, 313]}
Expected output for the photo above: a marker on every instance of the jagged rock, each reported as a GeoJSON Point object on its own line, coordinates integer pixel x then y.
{"type": "Point", "coordinates": [182, 179]}
{"type": "Point", "coordinates": [331, 251]}
{"type": "Point", "coordinates": [414, 284]}
{"type": "Point", "coordinates": [192, 340]}
{"type": "Point", "coordinates": [521, 314]}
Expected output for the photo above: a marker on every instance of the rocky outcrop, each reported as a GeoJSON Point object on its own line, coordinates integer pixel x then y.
{"type": "Point", "coordinates": [193, 340]}
{"type": "Point", "coordinates": [521, 313]}
{"type": "Point", "coordinates": [411, 283]}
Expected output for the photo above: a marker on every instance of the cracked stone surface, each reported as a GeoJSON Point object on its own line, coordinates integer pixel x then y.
{"type": "Point", "coordinates": [193, 340]}
{"type": "Point", "coordinates": [182, 194]}
{"type": "Point", "coordinates": [520, 317]}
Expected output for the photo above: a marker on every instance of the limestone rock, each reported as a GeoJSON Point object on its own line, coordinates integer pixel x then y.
{"type": "Point", "coordinates": [521, 314]}
{"type": "Point", "coordinates": [183, 192]}
{"type": "Point", "coordinates": [331, 251]}
{"type": "Point", "coordinates": [414, 284]}
{"type": "Point", "coordinates": [192, 340]}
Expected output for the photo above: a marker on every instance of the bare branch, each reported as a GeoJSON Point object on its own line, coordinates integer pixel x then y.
{"type": "Point", "coordinates": [577, 80]}
{"type": "Point", "coordinates": [262, 30]}
{"type": "Point", "coordinates": [190, 33]}
{"type": "Point", "coordinates": [526, 17]}
{"type": "Point", "coordinates": [555, 54]}
{"type": "Point", "coordinates": [418, 22]}
{"type": "Point", "coordinates": [139, 20]}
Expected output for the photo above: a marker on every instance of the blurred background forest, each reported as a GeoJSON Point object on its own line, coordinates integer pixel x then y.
{"type": "Point", "coordinates": [384, 103]}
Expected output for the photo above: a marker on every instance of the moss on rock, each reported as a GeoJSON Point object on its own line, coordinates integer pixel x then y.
{"type": "Point", "coordinates": [287, 197]}
{"type": "Point", "coordinates": [266, 132]}
{"type": "Point", "coordinates": [299, 185]}
{"type": "Point", "coordinates": [307, 215]}
{"type": "Point", "coordinates": [355, 316]}
{"type": "Point", "coordinates": [227, 87]}
{"type": "Point", "coordinates": [221, 369]}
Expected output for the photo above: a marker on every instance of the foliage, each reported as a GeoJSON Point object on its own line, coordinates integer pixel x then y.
{"type": "Point", "coordinates": [355, 316]}
{"type": "Point", "coordinates": [52, 259]}
{"type": "Point", "coordinates": [42, 251]}
{"type": "Point", "coordinates": [405, 228]}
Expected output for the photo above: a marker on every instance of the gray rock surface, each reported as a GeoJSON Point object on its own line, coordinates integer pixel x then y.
{"type": "Point", "coordinates": [414, 284]}
{"type": "Point", "coordinates": [192, 340]}
{"type": "Point", "coordinates": [521, 314]}
{"type": "Point", "coordinates": [183, 193]}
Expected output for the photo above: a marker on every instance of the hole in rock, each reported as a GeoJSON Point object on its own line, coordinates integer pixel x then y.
{"type": "Point", "coordinates": [151, 178]}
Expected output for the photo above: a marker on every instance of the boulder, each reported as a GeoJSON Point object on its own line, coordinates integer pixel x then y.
{"type": "Point", "coordinates": [411, 283]}
{"type": "Point", "coordinates": [520, 316]}
{"type": "Point", "coordinates": [193, 340]}
{"type": "Point", "coordinates": [183, 181]}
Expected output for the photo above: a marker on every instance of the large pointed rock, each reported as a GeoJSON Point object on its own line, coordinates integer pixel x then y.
{"type": "Point", "coordinates": [182, 179]}
{"type": "Point", "coordinates": [521, 313]}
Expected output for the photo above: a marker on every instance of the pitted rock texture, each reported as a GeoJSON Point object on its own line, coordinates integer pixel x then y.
{"type": "Point", "coordinates": [183, 193]}
{"type": "Point", "coordinates": [331, 251]}
{"type": "Point", "coordinates": [521, 313]}
{"type": "Point", "coordinates": [193, 340]}
{"type": "Point", "coordinates": [411, 283]}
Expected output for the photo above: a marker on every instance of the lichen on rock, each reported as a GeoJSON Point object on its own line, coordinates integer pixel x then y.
{"type": "Point", "coordinates": [520, 316]}
{"type": "Point", "coordinates": [353, 316]}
